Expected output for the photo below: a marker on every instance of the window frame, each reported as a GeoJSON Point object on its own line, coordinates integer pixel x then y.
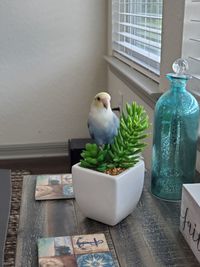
{"type": "Point", "coordinates": [171, 41]}
{"type": "Point", "coordinates": [191, 42]}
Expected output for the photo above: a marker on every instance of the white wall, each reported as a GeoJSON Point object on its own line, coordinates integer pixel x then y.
{"type": "Point", "coordinates": [51, 65]}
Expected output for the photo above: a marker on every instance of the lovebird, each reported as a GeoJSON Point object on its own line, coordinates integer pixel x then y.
{"type": "Point", "coordinates": [103, 123]}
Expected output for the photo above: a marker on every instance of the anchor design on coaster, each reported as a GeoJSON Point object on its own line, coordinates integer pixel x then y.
{"type": "Point", "coordinates": [81, 244]}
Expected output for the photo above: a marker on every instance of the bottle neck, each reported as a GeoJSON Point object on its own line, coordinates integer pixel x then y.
{"type": "Point", "coordinates": [177, 84]}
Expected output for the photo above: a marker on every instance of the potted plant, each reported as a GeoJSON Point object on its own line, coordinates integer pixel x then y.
{"type": "Point", "coordinates": [109, 179]}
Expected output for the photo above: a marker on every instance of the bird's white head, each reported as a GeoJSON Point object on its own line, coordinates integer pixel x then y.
{"type": "Point", "coordinates": [102, 101]}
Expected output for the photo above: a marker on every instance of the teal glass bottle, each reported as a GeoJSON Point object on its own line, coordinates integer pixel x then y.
{"type": "Point", "coordinates": [175, 137]}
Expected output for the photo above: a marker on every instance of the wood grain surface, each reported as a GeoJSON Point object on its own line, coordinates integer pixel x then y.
{"type": "Point", "coordinates": [148, 237]}
{"type": "Point", "coordinates": [5, 202]}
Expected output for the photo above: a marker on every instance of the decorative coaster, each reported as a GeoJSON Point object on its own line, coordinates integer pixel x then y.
{"type": "Point", "coordinates": [54, 187]}
{"type": "Point", "coordinates": [75, 251]}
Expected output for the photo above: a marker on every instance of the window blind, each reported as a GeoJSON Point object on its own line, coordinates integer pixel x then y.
{"type": "Point", "coordinates": [191, 43]}
{"type": "Point", "coordinates": [136, 31]}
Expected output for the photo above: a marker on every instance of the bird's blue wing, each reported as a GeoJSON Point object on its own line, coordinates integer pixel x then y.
{"type": "Point", "coordinates": [103, 135]}
{"type": "Point", "coordinates": [90, 129]}
{"type": "Point", "coordinates": [112, 130]}
{"type": "Point", "coordinates": [115, 123]}
{"type": "Point", "coordinates": [96, 131]}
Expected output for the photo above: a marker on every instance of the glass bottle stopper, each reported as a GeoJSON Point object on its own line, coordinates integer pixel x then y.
{"type": "Point", "coordinates": [180, 66]}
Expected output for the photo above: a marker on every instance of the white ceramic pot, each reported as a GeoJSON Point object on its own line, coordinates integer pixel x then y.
{"type": "Point", "coordinates": [105, 198]}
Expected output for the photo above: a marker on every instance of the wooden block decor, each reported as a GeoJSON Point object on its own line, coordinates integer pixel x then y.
{"type": "Point", "coordinates": [190, 217]}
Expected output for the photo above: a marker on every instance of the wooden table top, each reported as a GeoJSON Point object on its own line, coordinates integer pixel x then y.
{"type": "Point", "coordinates": [148, 237]}
{"type": "Point", "coordinates": [5, 202]}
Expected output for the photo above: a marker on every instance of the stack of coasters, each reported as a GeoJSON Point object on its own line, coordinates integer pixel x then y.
{"type": "Point", "coordinates": [54, 187]}
{"type": "Point", "coordinates": [75, 251]}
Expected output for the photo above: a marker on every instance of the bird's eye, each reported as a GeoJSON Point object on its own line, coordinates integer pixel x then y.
{"type": "Point", "coordinates": [98, 98]}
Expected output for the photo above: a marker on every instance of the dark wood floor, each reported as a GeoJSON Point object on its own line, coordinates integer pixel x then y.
{"type": "Point", "coordinates": [38, 165]}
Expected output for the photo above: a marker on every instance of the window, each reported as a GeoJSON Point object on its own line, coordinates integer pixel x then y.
{"type": "Point", "coordinates": [136, 32]}
{"type": "Point", "coordinates": [149, 35]}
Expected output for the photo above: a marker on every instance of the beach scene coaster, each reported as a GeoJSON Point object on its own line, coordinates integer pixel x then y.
{"type": "Point", "coordinates": [58, 186]}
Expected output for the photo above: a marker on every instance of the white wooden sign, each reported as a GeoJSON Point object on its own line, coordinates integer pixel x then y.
{"type": "Point", "coordinates": [190, 217]}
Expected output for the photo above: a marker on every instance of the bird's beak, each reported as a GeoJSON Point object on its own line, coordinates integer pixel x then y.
{"type": "Point", "coordinates": [105, 102]}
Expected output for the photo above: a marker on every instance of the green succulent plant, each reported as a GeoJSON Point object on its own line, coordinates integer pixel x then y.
{"type": "Point", "coordinates": [95, 157]}
{"type": "Point", "coordinates": [125, 150]}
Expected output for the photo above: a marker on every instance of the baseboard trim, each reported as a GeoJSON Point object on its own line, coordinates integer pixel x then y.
{"type": "Point", "coordinates": [34, 150]}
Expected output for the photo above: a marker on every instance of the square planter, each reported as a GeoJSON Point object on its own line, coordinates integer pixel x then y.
{"type": "Point", "coordinates": [105, 198]}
